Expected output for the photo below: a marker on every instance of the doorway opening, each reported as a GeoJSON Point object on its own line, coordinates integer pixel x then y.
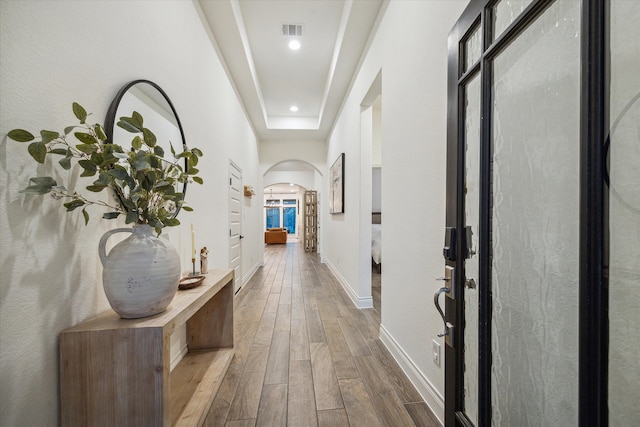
{"type": "Point", "coordinates": [376, 205]}
{"type": "Point", "coordinates": [285, 184]}
{"type": "Point", "coordinates": [371, 182]}
{"type": "Point", "coordinates": [282, 207]}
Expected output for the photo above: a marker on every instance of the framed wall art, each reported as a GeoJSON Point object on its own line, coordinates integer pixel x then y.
{"type": "Point", "coordinates": [336, 186]}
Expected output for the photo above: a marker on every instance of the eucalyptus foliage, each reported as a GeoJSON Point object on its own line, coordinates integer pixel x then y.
{"type": "Point", "coordinates": [143, 180]}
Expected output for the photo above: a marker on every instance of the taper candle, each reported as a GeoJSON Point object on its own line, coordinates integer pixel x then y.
{"type": "Point", "coordinates": [193, 243]}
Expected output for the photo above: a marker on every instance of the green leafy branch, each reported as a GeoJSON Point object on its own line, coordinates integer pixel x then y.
{"type": "Point", "coordinates": [143, 179]}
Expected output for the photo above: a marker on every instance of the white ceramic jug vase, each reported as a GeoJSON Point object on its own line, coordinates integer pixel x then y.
{"type": "Point", "coordinates": [141, 273]}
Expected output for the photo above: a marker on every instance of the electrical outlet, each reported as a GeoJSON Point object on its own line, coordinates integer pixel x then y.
{"type": "Point", "coordinates": [435, 350]}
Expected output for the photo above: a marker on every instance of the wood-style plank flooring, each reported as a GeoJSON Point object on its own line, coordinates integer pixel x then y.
{"type": "Point", "coordinates": [306, 356]}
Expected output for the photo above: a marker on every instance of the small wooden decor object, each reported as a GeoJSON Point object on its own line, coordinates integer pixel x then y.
{"type": "Point", "coordinates": [190, 282]}
{"type": "Point", "coordinates": [116, 372]}
{"type": "Point", "coordinates": [248, 191]}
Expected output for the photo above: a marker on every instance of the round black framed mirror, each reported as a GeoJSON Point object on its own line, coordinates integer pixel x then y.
{"type": "Point", "coordinates": [148, 99]}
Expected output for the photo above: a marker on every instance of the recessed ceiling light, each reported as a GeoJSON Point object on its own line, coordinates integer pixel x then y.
{"type": "Point", "coordinates": [294, 45]}
{"type": "Point", "coordinates": [293, 108]}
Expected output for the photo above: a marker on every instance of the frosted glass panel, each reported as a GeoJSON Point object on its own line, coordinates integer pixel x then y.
{"type": "Point", "coordinates": [473, 48]}
{"type": "Point", "coordinates": [505, 12]}
{"type": "Point", "coordinates": [535, 223]}
{"type": "Point", "coordinates": [624, 215]}
{"type": "Point", "coordinates": [472, 209]}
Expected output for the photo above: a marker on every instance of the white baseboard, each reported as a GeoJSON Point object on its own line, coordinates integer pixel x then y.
{"type": "Point", "coordinates": [178, 357]}
{"type": "Point", "coordinates": [250, 273]}
{"type": "Point", "coordinates": [431, 396]}
{"type": "Point", "coordinates": [360, 302]}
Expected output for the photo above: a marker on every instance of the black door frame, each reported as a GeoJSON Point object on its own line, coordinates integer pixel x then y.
{"type": "Point", "coordinates": [593, 273]}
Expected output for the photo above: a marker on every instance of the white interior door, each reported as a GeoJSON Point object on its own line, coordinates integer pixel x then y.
{"type": "Point", "coordinates": [235, 223]}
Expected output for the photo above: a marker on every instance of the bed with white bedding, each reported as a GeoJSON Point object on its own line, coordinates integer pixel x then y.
{"type": "Point", "coordinates": [376, 239]}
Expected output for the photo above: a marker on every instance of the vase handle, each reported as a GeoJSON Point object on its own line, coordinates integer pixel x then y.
{"type": "Point", "coordinates": [102, 252]}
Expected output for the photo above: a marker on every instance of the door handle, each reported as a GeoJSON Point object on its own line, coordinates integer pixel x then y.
{"type": "Point", "coordinates": [449, 290]}
{"type": "Point", "coordinates": [241, 236]}
{"type": "Point", "coordinates": [436, 301]}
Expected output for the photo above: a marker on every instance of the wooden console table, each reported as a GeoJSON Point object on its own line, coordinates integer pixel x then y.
{"type": "Point", "coordinates": [116, 372]}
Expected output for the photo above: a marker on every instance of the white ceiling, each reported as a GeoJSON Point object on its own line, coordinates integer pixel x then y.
{"type": "Point", "coordinates": [270, 78]}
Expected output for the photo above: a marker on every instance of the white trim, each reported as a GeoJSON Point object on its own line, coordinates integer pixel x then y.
{"type": "Point", "coordinates": [431, 396]}
{"type": "Point", "coordinates": [360, 302]}
{"type": "Point", "coordinates": [178, 357]}
{"type": "Point", "coordinates": [250, 273]}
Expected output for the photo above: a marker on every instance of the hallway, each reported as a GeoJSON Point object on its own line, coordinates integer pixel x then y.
{"type": "Point", "coordinates": [305, 356]}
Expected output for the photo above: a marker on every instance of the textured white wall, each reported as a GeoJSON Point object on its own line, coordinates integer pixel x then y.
{"type": "Point", "coordinates": [376, 193]}
{"type": "Point", "coordinates": [410, 48]}
{"type": "Point", "coordinates": [377, 134]}
{"type": "Point", "coordinates": [305, 179]}
{"type": "Point", "coordinates": [274, 152]}
{"type": "Point", "coordinates": [54, 53]}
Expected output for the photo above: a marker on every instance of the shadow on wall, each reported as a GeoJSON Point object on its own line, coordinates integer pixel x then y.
{"type": "Point", "coordinates": [48, 282]}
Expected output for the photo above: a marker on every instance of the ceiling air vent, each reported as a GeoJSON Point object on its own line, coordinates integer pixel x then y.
{"type": "Point", "coordinates": [292, 30]}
